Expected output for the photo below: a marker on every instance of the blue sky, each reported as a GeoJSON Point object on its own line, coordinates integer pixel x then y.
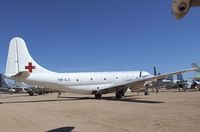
{"type": "Point", "coordinates": [101, 35]}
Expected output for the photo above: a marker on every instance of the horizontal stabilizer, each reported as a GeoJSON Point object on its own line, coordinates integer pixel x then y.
{"type": "Point", "coordinates": [23, 74]}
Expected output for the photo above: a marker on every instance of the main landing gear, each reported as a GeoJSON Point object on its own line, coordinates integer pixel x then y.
{"type": "Point", "coordinates": [98, 96]}
{"type": "Point", "coordinates": [119, 94]}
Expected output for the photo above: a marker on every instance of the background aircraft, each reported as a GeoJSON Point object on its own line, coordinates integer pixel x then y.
{"type": "Point", "coordinates": [181, 7]}
{"type": "Point", "coordinates": [4, 86]}
{"type": "Point", "coordinates": [196, 79]}
{"type": "Point", "coordinates": [197, 72]}
{"type": "Point", "coordinates": [179, 83]}
{"type": "Point", "coordinates": [11, 86]}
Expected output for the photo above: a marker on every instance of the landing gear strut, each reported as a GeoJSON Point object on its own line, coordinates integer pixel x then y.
{"type": "Point", "coordinates": [146, 92]}
{"type": "Point", "coordinates": [157, 89]}
{"type": "Point", "coordinates": [59, 93]}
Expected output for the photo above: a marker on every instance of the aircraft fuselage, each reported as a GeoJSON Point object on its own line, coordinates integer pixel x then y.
{"type": "Point", "coordinates": [84, 83]}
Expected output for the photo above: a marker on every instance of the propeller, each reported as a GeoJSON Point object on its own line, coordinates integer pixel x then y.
{"type": "Point", "coordinates": [154, 71]}
{"type": "Point", "coordinates": [140, 75]}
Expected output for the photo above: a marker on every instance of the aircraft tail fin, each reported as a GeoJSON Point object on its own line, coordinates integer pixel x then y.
{"type": "Point", "coordinates": [180, 77]}
{"type": "Point", "coordinates": [195, 65]}
{"type": "Point", "coordinates": [19, 59]}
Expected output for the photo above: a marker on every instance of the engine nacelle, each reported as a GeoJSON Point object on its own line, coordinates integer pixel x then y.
{"type": "Point", "coordinates": [180, 8]}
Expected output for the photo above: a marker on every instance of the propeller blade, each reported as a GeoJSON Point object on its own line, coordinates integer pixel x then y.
{"type": "Point", "coordinates": [140, 74]}
{"type": "Point", "coordinates": [154, 71]}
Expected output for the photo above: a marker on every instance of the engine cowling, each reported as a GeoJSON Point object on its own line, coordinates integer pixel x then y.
{"type": "Point", "coordinates": [180, 8]}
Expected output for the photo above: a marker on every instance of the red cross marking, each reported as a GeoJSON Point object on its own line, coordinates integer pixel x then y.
{"type": "Point", "coordinates": [30, 67]}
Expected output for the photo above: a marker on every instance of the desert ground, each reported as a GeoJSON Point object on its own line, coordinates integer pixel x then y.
{"type": "Point", "coordinates": [167, 111]}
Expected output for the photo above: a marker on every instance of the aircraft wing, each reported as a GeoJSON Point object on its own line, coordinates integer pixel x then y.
{"type": "Point", "coordinates": [150, 78]}
{"type": "Point", "coordinates": [139, 82]}
{"type": "Point", "coordinates": [195, 2]}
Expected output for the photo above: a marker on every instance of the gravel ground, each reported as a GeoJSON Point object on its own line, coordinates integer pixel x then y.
{"type": "Point", "coordinates": [170, 111]}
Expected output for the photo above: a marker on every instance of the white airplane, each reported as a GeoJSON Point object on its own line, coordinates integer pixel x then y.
{"type": "Point", "coordinates": [181, 7]}
{"type": "Point", "coordinates": [21, 67]}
